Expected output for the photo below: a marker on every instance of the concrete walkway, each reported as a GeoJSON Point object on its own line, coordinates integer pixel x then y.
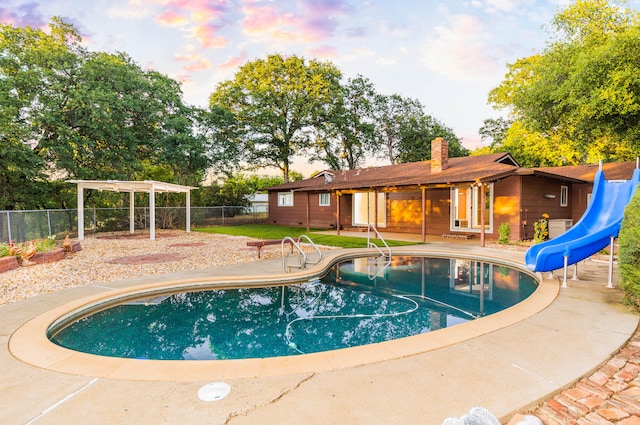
{"type": "Point", "coordinates": [507, 369]}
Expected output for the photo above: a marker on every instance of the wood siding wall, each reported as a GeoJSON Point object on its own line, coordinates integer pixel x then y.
{"type": "Point", "coordinates": [507, 208]}
{"type": "Point", "coordinates": [579, 195]}
{"type": "Point", "coordinates": [404, 212]}
{"type": "Point", "coordinates": [438, 211]}
{"type": "Point", "coordinates": [534, 203]}
{"type": "Point", "coordinates": [306, 207]}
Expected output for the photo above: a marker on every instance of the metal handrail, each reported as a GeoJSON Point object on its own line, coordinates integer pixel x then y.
{"type": "Point", "coordinates": [373, 245]}
{"type": "Point", "coordinates": [314, 246]}
{"type": "Point", "coordinates": [302, 257]}
{"type": "Point", "coordinates": [377, 272]}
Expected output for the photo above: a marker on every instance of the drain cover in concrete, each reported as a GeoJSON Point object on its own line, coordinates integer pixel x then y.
{"type": "Point", "coordinates": [214, 391]}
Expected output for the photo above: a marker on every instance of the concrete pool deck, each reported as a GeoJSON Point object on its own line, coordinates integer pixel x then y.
{"type": "Point", "coordinates": [504, 363]}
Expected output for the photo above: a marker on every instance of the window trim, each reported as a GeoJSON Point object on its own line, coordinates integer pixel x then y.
{"type": "Point", "coordinates": [285, 199]}
{"type": "Point", "coordinates": [564, 196]}
{"type": "Point", "coordinates": [363, 209]}
{"type": "Point", "coordinates": [327, 203]}
{"type": "Point", "coordinates": [472, 198]}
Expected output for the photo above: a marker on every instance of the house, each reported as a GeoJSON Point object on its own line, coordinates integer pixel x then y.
{"type": "Point", "coordinates": [259, 202]}
{"type": "Point", "coordinates": [443, 196]}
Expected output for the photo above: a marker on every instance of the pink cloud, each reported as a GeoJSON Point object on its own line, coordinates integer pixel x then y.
{"type": "Point", "coordinates": [261, 20]}
{"type": "Point", "coordinates": [312, 21]}
{"type": "Point", "coordinates": [234, 62]}
{"type": "Point", "coordinates": [206, 36]}
{"type": "Point", "coordinates": [198, 10]}
{"type": "Point", "coordinates": [320, 17]}
{"type": "Point", "coordinates": [206, 18]}
{"type": "Point", "coordinates": [324, 52]}
{"type": "Point", "coordinates": [198, 65]}
{"type": "Point", "coordinates": [460, 49]}
{"type": "Point", "coordinates": [171, 18]}
{"type": "Point", "coordinates": [24, 15]}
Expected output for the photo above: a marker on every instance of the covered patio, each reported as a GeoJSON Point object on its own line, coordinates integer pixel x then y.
{"type": "Point", "coordinates": [147, 186]}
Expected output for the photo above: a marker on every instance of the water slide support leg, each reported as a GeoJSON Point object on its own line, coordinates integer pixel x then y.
{"type": "Point", "coordinates": [610, 283]}
{"type": "Point", "coordinates": [566, 265]}
{"type": "Point", "coordinates": [575, 272]}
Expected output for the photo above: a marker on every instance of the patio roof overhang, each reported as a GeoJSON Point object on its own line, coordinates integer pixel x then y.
{"type": "Point", "coordinates": [147, 186]}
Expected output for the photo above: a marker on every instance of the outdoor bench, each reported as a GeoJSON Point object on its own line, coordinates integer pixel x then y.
{"type": "Point", "coordinates": [260, 244]}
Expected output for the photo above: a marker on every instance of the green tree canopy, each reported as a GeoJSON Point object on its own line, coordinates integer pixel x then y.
{"type": "Point", "coordinates": [404, 132]}
{"type": "Point", "coordinates": [66, 112]}
{"type": "Point", "coordinates": [415, 143]}
{"type": "Point", "coordinates": [583, 90]}
{"type": "Point", "coordinates": [347, 134]}
{"type": "Point", "coordinates": [276, 102]}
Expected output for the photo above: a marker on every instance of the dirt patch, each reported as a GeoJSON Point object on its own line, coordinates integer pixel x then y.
{"type": "Point", "coordinates": [148, 259]}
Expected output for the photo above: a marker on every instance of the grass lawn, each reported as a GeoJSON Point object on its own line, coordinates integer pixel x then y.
{"type": "Point", "coordinates": [272, 231]}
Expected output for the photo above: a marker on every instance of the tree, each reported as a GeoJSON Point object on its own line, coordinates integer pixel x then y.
{"type": "Point", "coordinates": [495, 129]}
{"type": "Point", "coordinates": [69, 113]}
{"type": "Point", "coordinates": [532, 149]}
{"type": "Point", "coordinates": [416, 137]}
{"type": "Point", "coordinates": [347, 134]}
{"type": "Point", "coordinates": [404, 132]}
{"type": "Point", "coordinates": [584, 88]}
{"type": "Point", "coordinates": [275, 103]}
{"type": "Point", "coordinates": [236, 189]}
{"type": "Point", "coordinates": [394, 116]}
{"type": "Point", "coordinates": [25, 54]}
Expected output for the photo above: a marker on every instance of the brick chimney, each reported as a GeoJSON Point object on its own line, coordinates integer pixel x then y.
{"type": "Point", "coordinates": [439, 155]}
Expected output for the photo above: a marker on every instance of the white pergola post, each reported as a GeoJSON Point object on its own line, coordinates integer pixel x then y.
{"type": "Point", "coordinates": [80, 212]}
{"type": "Point", "coordinates": [132, 208]}
{"type": "Point", "coordinates": [152, 213]}
{"type": "Point", "coordinates": [188, 211]}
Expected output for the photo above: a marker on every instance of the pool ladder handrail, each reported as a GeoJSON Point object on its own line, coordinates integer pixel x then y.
{"type": "Point", "coordinates": [303, 259]}
{"type": "Point", "coordinates": [386, 257]}
{"type": "Point", "coordinates": [373, 245]}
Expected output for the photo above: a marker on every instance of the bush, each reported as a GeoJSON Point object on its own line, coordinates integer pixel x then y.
{"type": "Point", "coordinates": [504, 234]}
{"type": "Point", "coordinates": [629, 251]}
{"type": "Point", "coordinates": [541, 229]}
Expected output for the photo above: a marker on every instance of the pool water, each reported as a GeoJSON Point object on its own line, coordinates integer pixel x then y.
{"type": "Point", "coordinates": [360, 301]}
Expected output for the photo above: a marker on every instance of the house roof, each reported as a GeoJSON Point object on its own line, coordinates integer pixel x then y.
{"type": "Point", "coordinates": [586, 173]}
{"type": "Point", "coordinates": [468, 169]}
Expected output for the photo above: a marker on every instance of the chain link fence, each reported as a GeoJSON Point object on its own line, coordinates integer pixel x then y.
{"type": "Point", "coordinates": [21, 226]}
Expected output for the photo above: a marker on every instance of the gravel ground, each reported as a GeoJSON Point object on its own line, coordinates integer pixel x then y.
{"type": "Point", "coordinates": [102, 259]}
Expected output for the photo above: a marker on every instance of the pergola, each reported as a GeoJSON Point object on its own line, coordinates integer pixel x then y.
{"type": "Point", "coordinates": [148, 186]}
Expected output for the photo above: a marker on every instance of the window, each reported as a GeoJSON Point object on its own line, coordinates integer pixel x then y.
{"type": "Point", "coordinates": [564, 196]}
{"type": "Point", "coordinates": [285, 199]}
{"type": "Point", "coordinates": [366, 207]}
{"type": "Point", "coordinates": [467, 207]}
{"type": "Point", "coordinates": [325, 199]}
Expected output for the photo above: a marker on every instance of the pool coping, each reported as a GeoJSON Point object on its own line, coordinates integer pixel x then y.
{"type": "Point", "coordinates": [29, 343]}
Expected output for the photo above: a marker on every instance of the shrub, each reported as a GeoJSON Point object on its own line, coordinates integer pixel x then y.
{"type": "Point", "coordinates": [43, 245]}
{"type": "Point", "coordinates": [541, 229]}
{"type": "Point", "coordinates": [504, 233]}
{"type": "Point", "coordinates": [629, 251]}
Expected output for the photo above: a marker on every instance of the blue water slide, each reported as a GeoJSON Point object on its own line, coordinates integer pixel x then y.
{"type": "Point", "coordinates": [592, 232]}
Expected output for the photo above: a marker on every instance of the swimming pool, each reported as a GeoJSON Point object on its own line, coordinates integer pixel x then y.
{"type": "Point", "coordinates": [359, 301]}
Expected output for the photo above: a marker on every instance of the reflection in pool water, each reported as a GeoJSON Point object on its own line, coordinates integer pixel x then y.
{"type": "Point", "coordinates": [358, 302]}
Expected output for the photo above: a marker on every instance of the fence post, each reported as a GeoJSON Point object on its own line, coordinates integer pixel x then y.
{"type": "Point", "coordinates": [223, 215]}
{"type": "Point", "coordinates": [49, 222]}
{"type": "Point", "coordinates": [9, 225]}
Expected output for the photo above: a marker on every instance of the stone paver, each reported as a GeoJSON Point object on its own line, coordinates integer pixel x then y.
{"type": "Point", "coordinates": [610, 395]}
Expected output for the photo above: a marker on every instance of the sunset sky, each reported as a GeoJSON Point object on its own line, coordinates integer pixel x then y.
{"type": "Point", "coordinates": [447, 54]}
